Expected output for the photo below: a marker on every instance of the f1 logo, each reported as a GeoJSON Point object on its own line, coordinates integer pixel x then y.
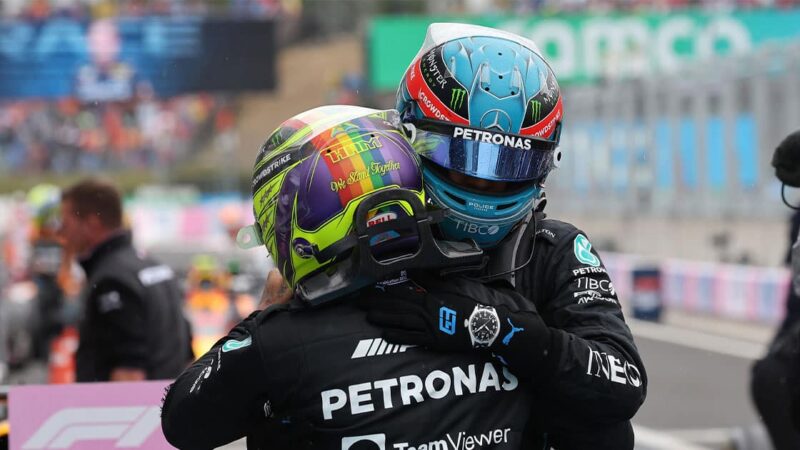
{"type": "Point", "coordinates": [129, 426]}
{"type": "Point", "coordinates": [447, 320]}
{"type": "Point", "coordinates": [366, 442]}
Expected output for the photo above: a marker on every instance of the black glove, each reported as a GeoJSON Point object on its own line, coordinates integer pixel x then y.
{"type": "Point", "coordinates": [409, 314]}
{"type": "Point", "coordinates": [457, 314]}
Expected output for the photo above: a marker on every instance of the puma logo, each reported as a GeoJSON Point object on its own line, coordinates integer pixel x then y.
{"type": "Point", "coordinates": [511, 333]}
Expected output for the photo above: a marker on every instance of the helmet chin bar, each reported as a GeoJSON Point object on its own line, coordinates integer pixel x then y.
{"type": "Point", "coordinates": [361, 268]}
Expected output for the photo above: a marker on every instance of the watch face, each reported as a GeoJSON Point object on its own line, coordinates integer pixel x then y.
{"type": "Point", "coordinates": [484, 326]}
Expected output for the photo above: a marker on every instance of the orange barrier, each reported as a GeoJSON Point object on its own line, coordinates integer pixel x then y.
{"type": "Point", "coordinates": [62, 357]}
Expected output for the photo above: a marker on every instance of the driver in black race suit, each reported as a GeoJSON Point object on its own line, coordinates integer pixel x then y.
{"type": "Point", "coordinates": [339, 203]}
{"type": "Point", "coordinates": [485, 111]}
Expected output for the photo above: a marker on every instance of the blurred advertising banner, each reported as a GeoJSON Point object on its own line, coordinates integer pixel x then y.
{"type": "Point", "coordinates": [738, 292]}
{"type": "Point", "coordinates": [119, 59]}
{"type": "Point", "coordinates": [586, 47]}
{"type": "Point", "coordinates": [90, 416]}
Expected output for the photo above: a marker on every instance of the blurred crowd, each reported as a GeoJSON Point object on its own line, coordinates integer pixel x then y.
{"type": "Point", "coordinates": [97, 9]}
{"type": "Point", "coordinates": [41, 285]}
{"type": "Point", "coordinates": [644, 5]}
{"type": "Point", "coordinates": [67, 135]}
{"type": "Point", "coordinates": [595, 6]}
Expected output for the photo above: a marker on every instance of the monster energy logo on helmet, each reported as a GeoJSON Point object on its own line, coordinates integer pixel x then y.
{"type": "Point", "coordinates": [536, 110]}
{"type": "Point", "coordinates": [457, 98]}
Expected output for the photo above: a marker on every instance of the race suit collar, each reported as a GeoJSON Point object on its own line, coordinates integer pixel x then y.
{"type": "Point", "coordinates": [115, 241]}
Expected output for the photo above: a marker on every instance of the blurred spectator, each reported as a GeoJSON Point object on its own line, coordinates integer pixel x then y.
{"type": "Point", "coordinates": [44, 267]}
{"type": "Point", "coordinates": [38, 10]}
{"type": "Point", "coordinates": [133, 326]}
{"type": "Point", "coordinates": [67, 136]}
{"type": "Point", "coordinates": [3, 340]}
{"type": "Point", "coordinates": [345, 89]}
{"type": "Point", "coordinates": [100, 9]}
{"type": "Point", "coordinates": [206, 285]}
{"type": "Point", "coordinates": [775, 383]}
{"type": "Point", "coordinates": [105, 78]}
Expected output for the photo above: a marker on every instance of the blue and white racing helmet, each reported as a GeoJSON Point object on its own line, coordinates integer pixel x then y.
{"type": "Point", "coordinates": [483, 103]}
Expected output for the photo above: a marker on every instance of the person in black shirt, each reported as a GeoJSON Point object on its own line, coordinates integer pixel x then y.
{"type": "Point", "coordinates": [775, 378]}
{"type": "Point", "coordinates": [47, 262]}
{"type": "Point", "coordinates": [338, 197]}
{"type": "Point", "coordinates": [484, 113]}
{"type": "Point", "coordinates": [133, 326]}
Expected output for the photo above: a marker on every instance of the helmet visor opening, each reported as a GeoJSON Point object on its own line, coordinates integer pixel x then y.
{"type": "Point", "coordinates": [479, 185]}
{"type": "Point", "coordinates": [485, 154]}
{"type": "Point", "coordinates": [393, 232]}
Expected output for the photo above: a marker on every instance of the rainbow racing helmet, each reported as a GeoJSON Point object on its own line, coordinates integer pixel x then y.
{"type": "Point", "coordinates": [483, 103]}
{"type": "Point", "coordinates": [339, 202]}
{"type": "Point", "coordinates": [43, 202]}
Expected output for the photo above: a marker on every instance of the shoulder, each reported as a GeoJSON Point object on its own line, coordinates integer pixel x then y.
{"type": "Point", "coordinates": [286, 334]}
{"type": "Point", "coordinates": [128, 264]}
{"type": "Point", "coordinates": [109, 294]}
{"type": "Point", "coordinates": [570, 249]}
{"type": "Point", "coordinates": [566, 242]}
{"type": "Point", "coordinates": [114, 260]}
{"type": "Point", "coordinates": [555, 232]}
{"type": "Point", "coordinates": [299, 319]}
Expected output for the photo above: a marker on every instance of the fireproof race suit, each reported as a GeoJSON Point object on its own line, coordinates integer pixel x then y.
{"type": "Point", "coordinates": [596, 380]}
{"type": "Point", "coordinates": [572, 343]}
{"type": "Point", "coordinates": [328, 374]}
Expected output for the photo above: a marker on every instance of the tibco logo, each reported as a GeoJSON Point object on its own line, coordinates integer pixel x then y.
{"type": "Point", "coordinates": [129, 426]}
{"type": "Point", "coordinates": [594, 284]}
{"type": "Point", "coordinates": [474, 228]}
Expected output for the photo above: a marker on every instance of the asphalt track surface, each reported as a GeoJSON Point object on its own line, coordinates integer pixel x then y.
{"type": "Point", "coordinates": [698, 387]}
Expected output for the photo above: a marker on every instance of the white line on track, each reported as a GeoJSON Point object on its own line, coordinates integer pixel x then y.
{"type": "Point", "coordinates": [651, 439]}
{"type": "Point", "coordinates": [706, 436]}
{"type": "Point", "coordinates": [697, 339]}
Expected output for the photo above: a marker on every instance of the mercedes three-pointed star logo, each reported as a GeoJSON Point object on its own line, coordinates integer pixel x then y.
{"type": "Point", "coordinates": [496, 119]}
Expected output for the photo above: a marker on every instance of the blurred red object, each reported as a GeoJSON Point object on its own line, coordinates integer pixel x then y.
{"type": "Point", "coordinates": [62, 357]}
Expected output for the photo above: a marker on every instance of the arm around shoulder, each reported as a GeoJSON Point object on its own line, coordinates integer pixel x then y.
{"type": "Point", "coordinates": [220, 397]}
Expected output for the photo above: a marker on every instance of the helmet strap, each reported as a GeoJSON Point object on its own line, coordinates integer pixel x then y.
{"type": "Point", "coordinates": [362, 268]}
{"type": "Point", "coordinates": [506, 252]}
{"type": "Point", "coordinates": [249, 237]}
{"type": "Point", "coordinates": [786, 202]}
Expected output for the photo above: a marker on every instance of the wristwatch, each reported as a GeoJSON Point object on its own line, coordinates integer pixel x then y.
{"type": "Point", "coordinates": [483, 326]}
